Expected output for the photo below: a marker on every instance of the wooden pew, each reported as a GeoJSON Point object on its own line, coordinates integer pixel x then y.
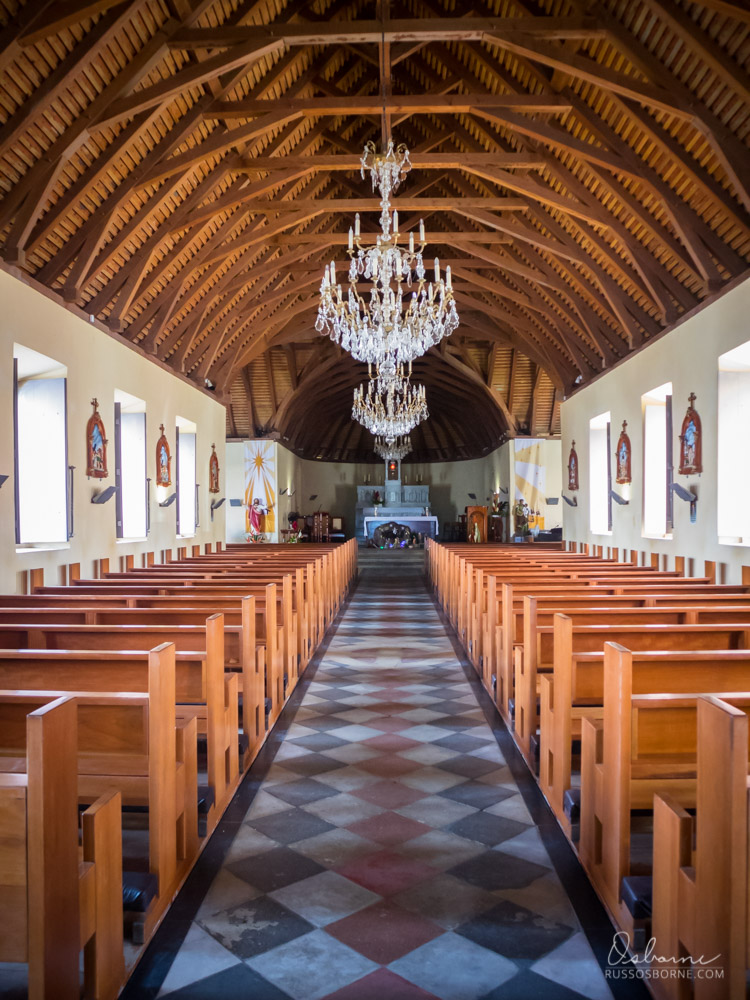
{"type": "Point", "coordinates": [202, 691]}
{"type": "Point", "coordinates": [645, 743]}
{"type": "Point", "coordinates": [575, 690]}
{"type": "Point", "coordinates": [700, 898]}
{"type": "Point", "coordinates": [540, 654]}
{"type": "Point", "coordinates": [55, 899]}
{"type": "Point", "coordinates": [151, 757]}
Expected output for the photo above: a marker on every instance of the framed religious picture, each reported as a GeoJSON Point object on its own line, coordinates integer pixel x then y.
{"type": "Point", "coordinates": [213, 471]}
{"type": "Point", "coordinates": [573, 468]}
{"type": "Point", "coordinates": [96, 445]}
{"type": "Point", "coordinates": [622, 456]}
{"type": "Point", "coordinates": [691, 455]}
{"type": "Point", "coordinates": [163, 460]}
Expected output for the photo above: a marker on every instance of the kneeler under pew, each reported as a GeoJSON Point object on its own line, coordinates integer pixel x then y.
{"type": "Point", "coordinates": [56, 896]}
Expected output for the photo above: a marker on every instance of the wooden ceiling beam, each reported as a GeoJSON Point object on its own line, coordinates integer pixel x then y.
{"type": "Point", "coordinates": [63, 75]}
{"type": "Point", "coordinates": [347, 206]}
{"type": "Point", "coordinates": [63, 15]}
{"type": "Point", "coordinates": [351, 162]}
{"type": "Point", "coordinates": [397, 104]}
{"type": "Point", "coordinates": [396, 30]}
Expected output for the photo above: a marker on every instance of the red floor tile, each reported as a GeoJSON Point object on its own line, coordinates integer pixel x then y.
{"type": "Point", "coordinates": [390, 723]}
{"type": "Point", "coordinates": [380, 985]}
{"type": "Point", "coordinates": [390, 743]}
{"type": "Point", "coordinates": [389, 828]}
{"type": "Point", "coordinates": [390, 766]}
{"type": "Point", "coordinates": [386, 873]}
{"type": "Point", "coordinates": [389, 794]}
{"type": "Point", "coordinates": [384, 932]}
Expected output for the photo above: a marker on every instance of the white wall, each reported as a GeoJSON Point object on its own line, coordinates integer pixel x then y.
{"type": "Point", "coordinates": [687, 356]}
{"type": "Point", "coordinates": [98, 363]}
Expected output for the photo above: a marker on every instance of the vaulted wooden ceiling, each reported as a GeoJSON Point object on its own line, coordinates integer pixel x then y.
{"type": "Point", "coordinates": [183, 169]}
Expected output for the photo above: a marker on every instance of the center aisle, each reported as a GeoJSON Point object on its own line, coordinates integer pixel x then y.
{"type": "Point", "coordinates": [389, 852]}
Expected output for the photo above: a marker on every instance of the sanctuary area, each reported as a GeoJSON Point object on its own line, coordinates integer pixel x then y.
{"type": "Point", "coordinates": [374, 520]}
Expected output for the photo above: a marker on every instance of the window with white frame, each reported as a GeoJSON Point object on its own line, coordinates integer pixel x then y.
{"type": "Point", "coordinates": [187, 493]}
{"type": "Point", "coordinates": [733, 476]}
{"type": "Point", "coordinates": [42, 492]}
{"type": "Point", "coordinates": [657, 462]}
{"type": "Point", "coordinates": [600, 476]}
{"type": "Point", "coordinates": [130, 466]}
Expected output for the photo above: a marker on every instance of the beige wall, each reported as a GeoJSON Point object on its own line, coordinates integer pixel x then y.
{"type": "Point", "coordinates": [687, 357]}
{"type": "Point", "coordinates": [336, 484]}
{"type": "Point", "coordinates": [97, 364]}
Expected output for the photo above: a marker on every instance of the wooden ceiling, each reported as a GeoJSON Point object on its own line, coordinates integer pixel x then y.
{"type": "Point", "coordinates": [183, 169]}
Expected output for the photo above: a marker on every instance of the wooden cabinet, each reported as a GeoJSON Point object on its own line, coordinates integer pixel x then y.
{"type": "Point", "coordinates": [476, 524]}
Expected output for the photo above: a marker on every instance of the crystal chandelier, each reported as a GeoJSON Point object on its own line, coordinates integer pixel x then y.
{"type": "Point", "coordinates": [392, 449]}
{"type": "Point", "coordinates": [406, 313]}
{"type": "Point", "coordinates": [391, 410]}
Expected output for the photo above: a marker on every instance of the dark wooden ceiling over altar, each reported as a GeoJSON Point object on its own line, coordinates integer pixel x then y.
{"type": "Point", "coordinates": [183, 171]}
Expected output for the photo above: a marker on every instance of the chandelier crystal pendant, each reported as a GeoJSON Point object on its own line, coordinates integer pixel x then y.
{"type": "Point", "coordinates": [406, 313]}
{"type": "Point", "coordinates": [392, 449]}
{"type": "Point", "coordinates": [391, 410]}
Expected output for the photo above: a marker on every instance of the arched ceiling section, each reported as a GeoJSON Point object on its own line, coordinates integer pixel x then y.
{"type": "Point", "coordinates": [183, 169]}
{"type": "Point", "coordinates": [477, 396]}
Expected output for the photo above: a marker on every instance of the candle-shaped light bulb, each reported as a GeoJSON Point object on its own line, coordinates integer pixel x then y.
{"type": "Point", "coordinates": [356, 224]}
{"type": "Point", "coordinates": [421, 230]}
{"type": "Point", "coordinates": [333, 271]}
{"type": "Point", "coordinates": [448, 278]}
{"type": "Point", "coordinates": [395, 220]}
{"type": "Point", "coordinates": [437, 270]}
{"type": "Point", "coordinates": [411, 242]}
{"type": "Point", "coordinates": [351, 238]}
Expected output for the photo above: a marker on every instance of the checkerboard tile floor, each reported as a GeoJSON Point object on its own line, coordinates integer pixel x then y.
{"type": "Point", "coordinates": [388, 853]}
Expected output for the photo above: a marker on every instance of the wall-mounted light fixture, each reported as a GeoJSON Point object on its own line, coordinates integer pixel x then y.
{"type": "Point", "coordinates": [103, 495]}
{"type": "Point", "coordinates": [569, 502]}
{"type": "Point", "coordinates": [215, 504]}
{"type": "Point", "coordinates": [169, 501]}
{"type": "Point", "coordinates": [689, 497]}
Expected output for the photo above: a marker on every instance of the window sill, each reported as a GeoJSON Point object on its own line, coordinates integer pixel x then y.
{"type": "Point", "coordinates": [42, 547]}
{"type": "Point", "coordinates": [658, 538]}
{"type": "Point", "coordinates": [130, 541]}
{"type": "Point", "coordinates": [737, 542]}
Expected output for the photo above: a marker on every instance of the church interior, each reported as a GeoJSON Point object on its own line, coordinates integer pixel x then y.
{"type": "Point", "coordinates": [374, 499]}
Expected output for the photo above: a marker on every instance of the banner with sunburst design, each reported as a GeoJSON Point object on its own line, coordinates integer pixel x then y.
{"type": "Point", "coordinates": [261, 486]}
{"type": "Point", "coordinates": [530, 472]}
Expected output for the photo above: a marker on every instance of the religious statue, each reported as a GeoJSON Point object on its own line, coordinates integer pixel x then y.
{"type": "Point", "coordinates": [573, 468]}
{"type": "Point", "coordinates": [96, 445]}
{"type": "Point", "coordinates": [163, 460]}
{"type": "Point", "coordinates": [691, 458]}
{"type": "Point", "coordinates": [255, 512]}
{"type": "Point", "coordinates": [623, 456]}
{"type": "Point", "coordinates": [213, 471]}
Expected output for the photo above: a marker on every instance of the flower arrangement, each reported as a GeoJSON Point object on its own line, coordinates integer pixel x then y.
{"type": "Point", "coordinates": [255, 536]}
{"type": "Point", "coordinates": [295, 535]}
{"type": "Point", "coordinates": [376, 498]}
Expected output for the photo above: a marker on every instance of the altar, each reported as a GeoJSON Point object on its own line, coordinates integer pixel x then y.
{"type": "Point", "coordinates": [426, 524]}
{"type": "Point", "coordinates": [403, 503]}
